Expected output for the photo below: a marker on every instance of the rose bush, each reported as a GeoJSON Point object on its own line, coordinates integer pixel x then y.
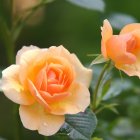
{"type": "Point", "coordinates": [47, 83]}
{"type": "Point", "coordinates": [122, 49]}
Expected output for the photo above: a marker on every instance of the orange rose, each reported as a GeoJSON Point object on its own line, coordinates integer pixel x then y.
{"type": "Point", "coordinates": [47, 83]}
{"type": "Point", "coordinates": [122, 49]}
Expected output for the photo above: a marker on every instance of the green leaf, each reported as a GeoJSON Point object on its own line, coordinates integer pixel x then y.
{"type": "Point", "coordinates": [99, 59]}
{"type": "Point", "coordinates": [80, 126]}
{"type": "Point", "coordinates": [97, 70]}
{"type": "Point", "coordinates": [108, 106]}
{"type": "Point", "coordinates": [117, 87]}
{"type": "Point", "coordinates": [105, 83]}
{"type": "Point", "coordinates": [113, 109]}
{"type": "Point", "coordinates": [106, 87]}
{"type": "Point", "coordinates": [118, 20]}
{"type": "Point", "coordinates": [109, 86]}
{"type": "Point", "coordinates": [97, 5]}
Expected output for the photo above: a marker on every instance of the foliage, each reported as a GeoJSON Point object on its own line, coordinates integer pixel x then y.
{"type": "Point", "coordinates": [80, 126]}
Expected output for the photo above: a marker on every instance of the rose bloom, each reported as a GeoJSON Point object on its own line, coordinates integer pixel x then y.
{"type": "Point", "coordinates": [122, 49]}
{"type": "Point", "coordinates": [47, 83]}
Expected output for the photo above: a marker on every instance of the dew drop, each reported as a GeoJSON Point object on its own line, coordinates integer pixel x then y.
{"type": "Point", "coordinates": [45, 124]}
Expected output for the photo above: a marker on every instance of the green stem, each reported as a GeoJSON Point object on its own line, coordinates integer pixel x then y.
{"type": "Point", "coordinates": [8, 43]}
{"type": "Point", "coordinates": [99, 110]}
{"type": "Point", "coordinates": [98, 84]}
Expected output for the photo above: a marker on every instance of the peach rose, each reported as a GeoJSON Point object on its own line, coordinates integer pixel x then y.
{"type": "Point", "coordinates": [47, 83]}
{"type": "Point", "coordinates": [122, 49]}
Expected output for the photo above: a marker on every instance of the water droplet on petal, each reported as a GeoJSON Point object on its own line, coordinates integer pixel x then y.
{"type": "Point", "coordinates": [45, 124]}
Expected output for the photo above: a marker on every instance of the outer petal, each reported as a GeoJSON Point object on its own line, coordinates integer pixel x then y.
{"type": "Point", "coordinates": [30, 116]}
{"type": "Point", "coordinates": [12, 88]}
{"type": "Point", "coordinates": [106, 34]}
{"type": "Point", "coordinates": [26, 57]}
{"type": "Point", "coordinates": [83, 74]}
{"type": "Point", "coordinates": [131, 70]}
{"type": "Point", "coordinates": [25, 54]}
{"type": "Point", "coordinates": [130, 27]}
{"type": "Point", "coordinates": [50, 124]}
{"type": "Point", "coordinates": [35, 118]}
{"type": "Point", "coordinates": [117, 49]}
{"type": "Point", "coordinates": [77, 102]}
{"type": "Point", "coordinates": [78, 67]}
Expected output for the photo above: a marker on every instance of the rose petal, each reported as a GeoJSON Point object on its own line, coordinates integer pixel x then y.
{"type": "Point", "coordinates": [130, 27]}
{"type": "Point", "coordinates": [106, 34]}
{"type": "Point", "coordinates": [34, 117]}
{"type": "Point", "coordinates": [26, 53]}
{"type": "Point", "coordinates": [133, 29]}
{"type": "Point", "coordinates": [37, 95]}
{"type": "Point", "coordinates": [30, 116]}
{"type": "Point", "coordinates": [136, 34]}
{"type": "Point", "coordinates": [41, 80]}
{"type": "Point", "coordinates": [131, 70]}
{"type": "Point", "coordinates": [118, 44]}
{"type": "Point", "coordinates": [26, 57]}
{"type": "Point", "coordinates": [74, 61]}
{"type": "Point", "coordinates": [50, 124]}
{"type": "Point", "coordinates": [12, 88]}
{"type": "Point", "coordinates": [77, 102]}
{"type": "Point", "coordinates": [55, 97]}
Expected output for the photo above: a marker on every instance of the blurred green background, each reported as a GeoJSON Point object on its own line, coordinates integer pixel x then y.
{"type": "Point", "coordinates": [78, 29]}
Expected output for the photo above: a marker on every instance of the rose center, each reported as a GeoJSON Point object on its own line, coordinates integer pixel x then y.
{"type": "Point", "coordinates": [54, 78]}
{"type": "Point", "coordinates": [131, 44]}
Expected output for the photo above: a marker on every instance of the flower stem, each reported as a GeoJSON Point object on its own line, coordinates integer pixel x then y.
{"type": "Point", "coordinates": [8, 43]}
{"type": "Point", "coordinates": [106, 66]}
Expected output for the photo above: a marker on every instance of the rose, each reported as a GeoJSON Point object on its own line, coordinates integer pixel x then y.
{"type": "Point", "coordinates": [122, 49]}
{"type": "Point", "coordinates": [47, 83]}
